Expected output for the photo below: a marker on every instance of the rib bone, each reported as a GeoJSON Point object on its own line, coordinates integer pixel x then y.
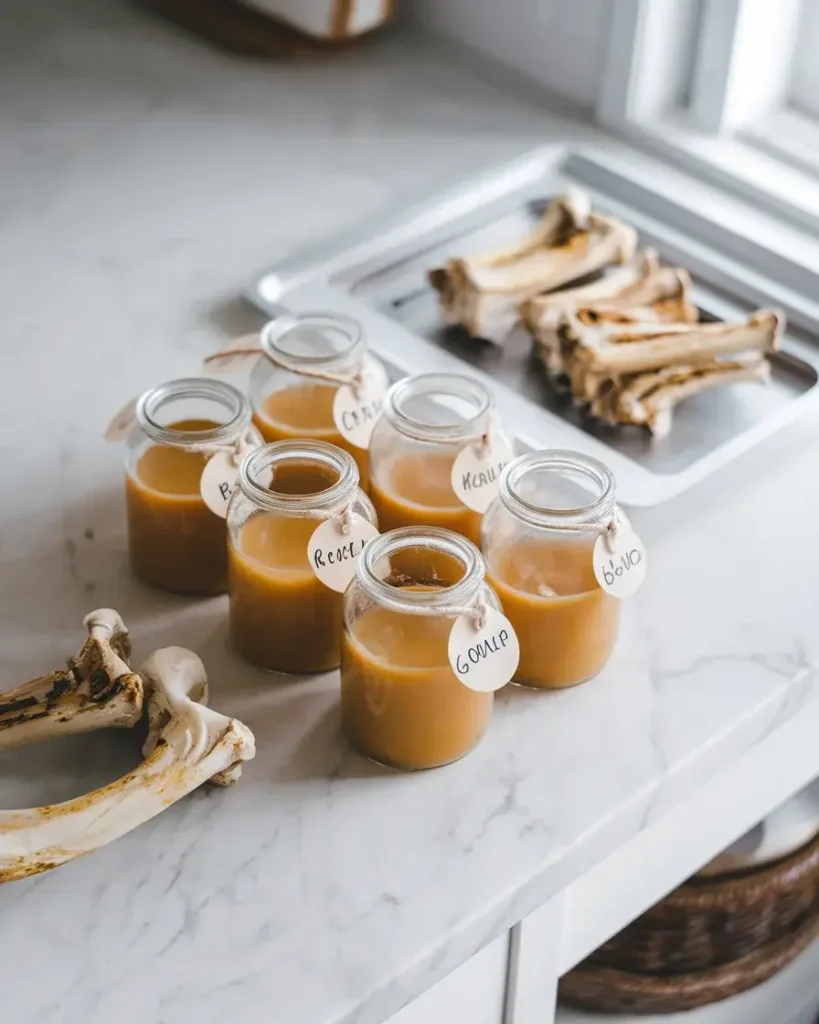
{"type": "Point", "coordinates": [656, 296]}
{"type": "Point", "coordinates": [482, 292]}
{"type": "Point", "coordinates": [635, 348]}
{"type": "Point", "coordinates": [188, 744]}
{"type": "Point", "coordinates": [648, 399]}
{"type": "Point", "coordinates": [97, 691]}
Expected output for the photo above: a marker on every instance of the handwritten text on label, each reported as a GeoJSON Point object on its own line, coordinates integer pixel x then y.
{"type": "Point", "coordinates": [333, 554]}
{"type": "Point", "coordinates": [484, 659]}
{"type": "Point", "coordinates": [476, 472]}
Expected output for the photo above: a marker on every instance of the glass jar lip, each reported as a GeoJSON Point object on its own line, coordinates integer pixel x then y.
{"type": "Point", "coordinates": [459, 385]}
{"type": "Point", "coordinates": [216, 391]}
{"type": "Point", "coordinates": [267, 456]}
{"type": "Point", "coordinates": [436, 538]}
{"type": "Point", "coordinates": [273, 337]}
{"type": "Point", "coordinates": [558, 458]}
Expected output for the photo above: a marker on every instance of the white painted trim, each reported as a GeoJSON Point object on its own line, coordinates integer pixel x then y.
{"type": "Point", "coordinates": [742, 67]}
{"type": "Point", "coordinates": [647, 59]}
{"type": "Point", "coordinates": [733, 164]}
{"type": "Point", "coordinates": [789, 135]}
{"type": "Point", "coordinates": [531, 993]}
{"type": "Point", "coordinates": [663, 855]}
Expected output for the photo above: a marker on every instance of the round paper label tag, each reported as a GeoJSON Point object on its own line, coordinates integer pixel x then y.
{"type": "Point", "coordinates": [120, 426]}
{"type": "Point", "coordinates": [477, 469]}
{"type": "Point", "coordinates": [356, 412]}
{"type": "Point", "coordinates": [241, 353]}
{"type": "Point", "coordinates": [484, 659]}
{"type": "Point", "coordinates": [219, 480]}
{"type": "Point", "coordinates": [620, 560]}
{"type": "Point", "coordinates": [333, 554]}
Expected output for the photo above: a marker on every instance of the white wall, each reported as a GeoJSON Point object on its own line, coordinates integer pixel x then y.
{"type": "Point", "coordinates": [559, 43]}
{"type": "Point", "coordinates": [805, 81]}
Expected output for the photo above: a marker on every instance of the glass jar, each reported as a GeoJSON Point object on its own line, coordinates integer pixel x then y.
{"type": "Point", "coordinates": [401, 702]}
{"type": "Point", "coordinates": [176, 542]}
{"type": "Point", "coordinates": [427, 421]}
{"type": "Point", "coordinates": [291, 398]}
{"type": "Point", "coordinates": [538, 537]}
{"type": "Point", "coordinates": [282, 617]}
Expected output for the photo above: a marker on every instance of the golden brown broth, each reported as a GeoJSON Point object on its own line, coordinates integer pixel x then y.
{"type": "Point", "coordinates": [176, 543]}
{"type": "Point", "coordinates": [401, 703]}
{"type": "Point", "coordinates": [281, 616]}
{"type": "Point", "coordinates": [416, 490]}
{"type": "Point", "coordinates": [566, 625]}
{"type": "Point", "coordinates": [305, 412]}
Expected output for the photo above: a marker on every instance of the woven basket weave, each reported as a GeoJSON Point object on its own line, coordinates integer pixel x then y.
{"type": "Point", "coordinates": [710, 939]}
{"type": "Point", "coordinates": [607, 990]}
{"type": "Point", "coordinates": [712, 921]}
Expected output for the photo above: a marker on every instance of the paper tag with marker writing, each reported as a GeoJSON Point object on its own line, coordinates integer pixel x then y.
{"type": "Point", "coordinates": [121, 425]}
{"type": "Point", "coordinates": [333, 554]}
{"type": "Point", "coordinates": [355, 412]}
{"type": "Point", "coordinates": [484, 659]}
{"type": "Point", "coordinates": [241, 353]}
{"type": "Point", "coordinates": [620, 560]}
{"type": "Point", "coordinates": [477, 469]}
{"type": "Point", "coordinates": [219, 480]}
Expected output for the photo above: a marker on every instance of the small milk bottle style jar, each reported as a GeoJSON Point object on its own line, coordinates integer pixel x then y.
{"type": "Point", "coordinates": [436, 454]}
{"type": "Point", "coordinates": [318, 382]}
{"type": "Point", "coordinates": [181, 466]}
{"type": "Point", "coordinates": [296, 526]}
{"type": "Point", "coordinates": [423, 649]}
{"type": "Point", "coordinates": [559, 553]}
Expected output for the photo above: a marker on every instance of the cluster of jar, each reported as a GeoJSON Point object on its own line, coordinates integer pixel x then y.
{"type": "Point", "coordinates": [530, 553]}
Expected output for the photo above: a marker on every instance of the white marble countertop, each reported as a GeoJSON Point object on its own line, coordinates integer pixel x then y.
{"type": "Point", "coordinates": [145, 180]}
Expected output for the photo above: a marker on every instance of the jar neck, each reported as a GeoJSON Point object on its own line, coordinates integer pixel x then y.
{"type": "Point", "coordinates": [261, 465]}
{"type": "Point", "coordinates": [423, 544]}
{"type": "Point", "coordinates": [315, 342]}
{"type": "Point", "coordinates": [555, 488]}
{"type": "Point", "coordinates": [193, 398]}
{"type": "Point", "coordinates": [443, 408]}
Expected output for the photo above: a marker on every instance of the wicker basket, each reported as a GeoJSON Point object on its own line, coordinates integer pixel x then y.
{"type": "Point", "coordinates": [604, 989]}
{"type": "Point", "coordinates": [708, 922]}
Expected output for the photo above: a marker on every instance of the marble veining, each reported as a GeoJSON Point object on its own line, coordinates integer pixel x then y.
{"type": "Point", "coordinates": [146, 180]}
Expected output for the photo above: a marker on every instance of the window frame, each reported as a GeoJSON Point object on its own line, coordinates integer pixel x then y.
{"type": "Point", "coordinates": [730, 122]}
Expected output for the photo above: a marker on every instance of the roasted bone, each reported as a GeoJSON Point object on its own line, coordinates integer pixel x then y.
{"type": "Point", "coordinates": [97, 691]}
{"type": "Point", "coordinates": [188, 744]}
{"type": "Point", "coordinates": [482, 292]}
{"type": "Point", "coordinates": [617, 349]}
{"type": "Point", "coordinates": [657, 296]}
{"type": "Point", "coordinates": [648, 399]}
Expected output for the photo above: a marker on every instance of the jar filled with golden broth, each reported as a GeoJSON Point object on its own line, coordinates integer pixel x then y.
{"type": "Point", "coordinates": [436, 454]}
{"type": "Point", "coordinates": [560, 555]}
{"type": "Point", "coordinates": [412, 652]}
{"type": "Point", "coordinates": [297, 524]}
{"type": "Point", "coordinates": [181, 467]}
{"type": "Point", "coordinates": [317, 381]}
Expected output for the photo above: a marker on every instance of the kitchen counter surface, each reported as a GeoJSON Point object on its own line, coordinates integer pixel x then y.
{"type": "Point", "coordinates": [145, 180]}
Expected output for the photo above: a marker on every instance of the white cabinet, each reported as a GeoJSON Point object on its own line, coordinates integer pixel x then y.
{"type": "Point", "coordinates": [474, 993]}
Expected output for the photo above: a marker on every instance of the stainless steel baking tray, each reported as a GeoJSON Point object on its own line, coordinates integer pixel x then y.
{"type": "Point", "coordinates": [379, 276]}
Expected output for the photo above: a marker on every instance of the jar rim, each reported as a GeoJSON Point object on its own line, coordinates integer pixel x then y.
{"type": "Point", "coordinates": [217, 391]}
{"type": "Point", "coordinates": [275, 334]}
{"type": "Point", "coordinates": [437, 539]}
{"type": "Point", "coordinates": [265, 457]}
{"type": "Point", "coordinates": [557, 459]}
{"type": "Point", "coordinates": [458, 385]}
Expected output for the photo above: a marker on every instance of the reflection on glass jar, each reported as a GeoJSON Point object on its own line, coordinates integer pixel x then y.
{"type": "Point", "coordinates": [427, 421]}
{"type": "Point", "coordinates": [538, 538]}
{"type": "Point", "coordinates": [401, 702]}
{"type": "Point", "coordinates": [293, 392]}
{"type": "Point", "coordinates": [282, 617]}
{"type": "Point", "coordinates": [176, 542]}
